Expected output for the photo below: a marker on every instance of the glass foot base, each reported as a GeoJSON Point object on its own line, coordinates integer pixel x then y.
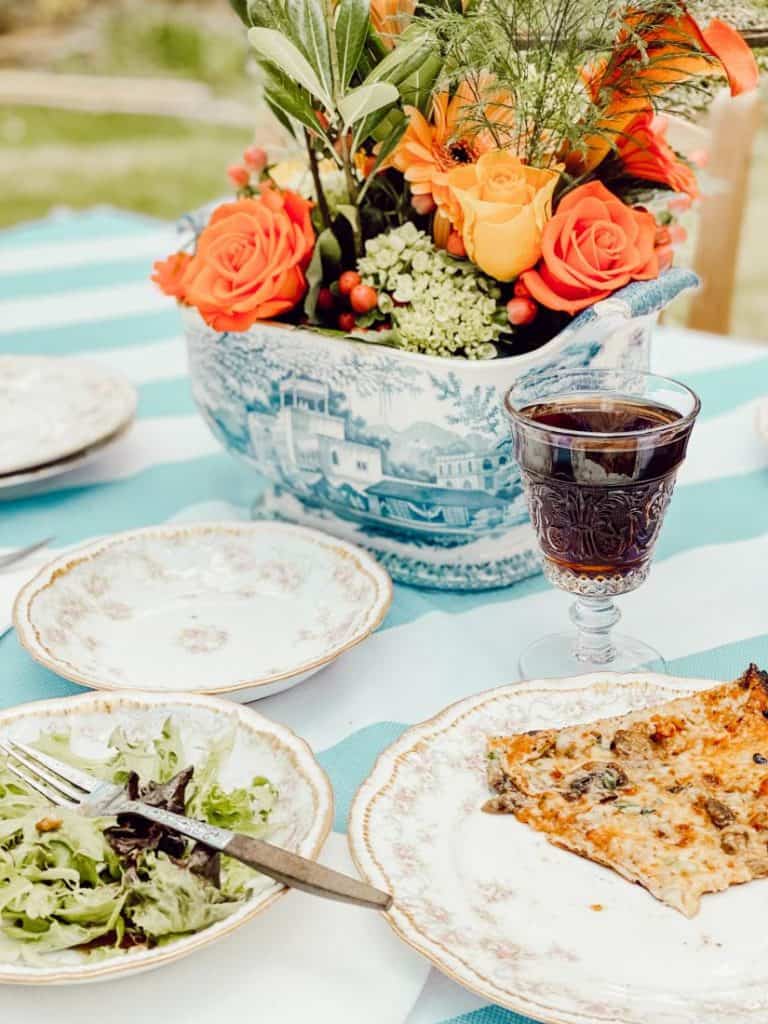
{"type": "Point", "coordinates": [554, 656]}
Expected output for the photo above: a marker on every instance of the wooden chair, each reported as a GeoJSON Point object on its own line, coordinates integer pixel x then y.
{"type": "Point", "coordinates": [727, 136]}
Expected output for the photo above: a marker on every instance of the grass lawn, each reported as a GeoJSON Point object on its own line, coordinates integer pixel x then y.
{"type": "Point", "coordinates": [155, 165]}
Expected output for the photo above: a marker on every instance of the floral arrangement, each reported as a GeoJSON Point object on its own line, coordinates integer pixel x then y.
{"type": "Point", "coordinates": [474, 172]}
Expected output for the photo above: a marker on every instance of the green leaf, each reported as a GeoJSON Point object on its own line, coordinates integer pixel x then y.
{"type": "Point", "coordinates": [282, 92]}
{"type": "Point", "coordinates": [346, 227]}
{"type": "Point", "coordinates": [367, 99]}
{"type": "Point", "coordinates": [383, 128]}
{"type": "Point", "coordinates": [324, 265]}
{"type": "Point", "coordinates": [281, 116]}
{"type": "Point", "coordinates": [389, 143]}
{"type": "Point", "coordinates": [270, 14]}
{"type": "Point", "coordinates": [240, 7]}
{"type": "Point", "coordinates": [406, 58]}
{"type": "Point", "coordinates": [384, 149]}
{"type": "Point", "coordinates": [416, 90]}
{"type": "Point", "coordinates": [352, 20]}
{"type": "Point", "coordinates": [310, 29]}
{"type": "Point", "coordinates": [390, 338]}
{"type": "Point", "coordinates": [273, 46]}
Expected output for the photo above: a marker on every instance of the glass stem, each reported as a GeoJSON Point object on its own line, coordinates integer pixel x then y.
{"type": "Point", "coordinates": [594, 618]}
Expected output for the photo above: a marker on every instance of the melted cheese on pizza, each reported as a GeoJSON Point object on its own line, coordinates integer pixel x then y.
{"type": "Point", "coordinates": [674, 797]}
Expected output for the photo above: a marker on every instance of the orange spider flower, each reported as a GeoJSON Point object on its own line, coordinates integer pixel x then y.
{"type": "Point", "coordinates": [645, 153]}
{"type": "Point", "coordinates": [671, 51]}
{"type": "Point", "coordinates": [428, 151]}
{"type": "Point", "coordinates": [390, 18]}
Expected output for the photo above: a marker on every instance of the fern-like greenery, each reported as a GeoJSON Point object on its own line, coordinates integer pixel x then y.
{"type": "Point", "coordinates": [528, 62]}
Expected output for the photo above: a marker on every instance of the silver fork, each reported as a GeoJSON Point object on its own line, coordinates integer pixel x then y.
{"type": "Point", "coordinates": [20, 553]}
{"type": "Point", "coordinates": [69, 787]}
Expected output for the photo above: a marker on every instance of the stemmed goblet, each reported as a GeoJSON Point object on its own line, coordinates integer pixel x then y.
{"type": "Point", "coordinates": [598, 451]}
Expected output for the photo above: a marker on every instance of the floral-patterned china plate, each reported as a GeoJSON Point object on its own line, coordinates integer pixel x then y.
{"type": "Point", "coordinates": [524, 924]}
{"type": "Point", "coordinates": [300, 820]}
{"type": "Point", "coordinates": [31, 481]}
{"type": "Point", "coordinates": [244, 609]}
{"type": "Point", "coordinates": [54, 407]}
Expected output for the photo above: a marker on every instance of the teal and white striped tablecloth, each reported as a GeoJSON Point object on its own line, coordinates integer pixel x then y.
{"type": "Point", "coordinates": [78, 285]}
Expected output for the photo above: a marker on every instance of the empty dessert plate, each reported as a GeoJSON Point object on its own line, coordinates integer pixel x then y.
{"type": "Point", "coordinates": [244, 609]}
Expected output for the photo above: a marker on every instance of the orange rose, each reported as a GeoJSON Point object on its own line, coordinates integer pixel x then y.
{"type": "Point", "coordinates": [645, 153]}
{"type": "Point", "coordinates": [593, 245]}
{"type": "Point", "coordinates": [250, 260]}
{"type": "Point", "coordinates": [168, 274]}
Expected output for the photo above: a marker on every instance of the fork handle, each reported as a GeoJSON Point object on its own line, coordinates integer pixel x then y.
{"type": "Point", "coordinates": [301, 873]}
{"type": "Point", "coordinates": [281, 865]}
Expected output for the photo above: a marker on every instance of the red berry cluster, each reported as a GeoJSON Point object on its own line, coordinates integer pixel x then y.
{"type": "Point", "coordinates": [247, 175]}
{"type": "Point", "coordinates": [521, 309]}
{"type": "Point", "coordinates": [349, 291]}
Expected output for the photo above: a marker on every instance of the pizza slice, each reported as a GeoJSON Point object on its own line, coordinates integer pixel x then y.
{"type": "Point", "coordinates": [674, 797]}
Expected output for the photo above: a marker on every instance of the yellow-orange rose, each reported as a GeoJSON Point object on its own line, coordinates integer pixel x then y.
{"type": "Point", "coordinates": [505, 205]}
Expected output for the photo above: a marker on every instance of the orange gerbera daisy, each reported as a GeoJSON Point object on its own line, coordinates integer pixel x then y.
{"type": "Point", "coordinates": [430, 149]}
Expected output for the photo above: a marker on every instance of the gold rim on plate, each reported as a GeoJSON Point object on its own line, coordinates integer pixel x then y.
{"type": "Point", "coordinates": [305, 764]}
{"type": "Point", "coordinates": [383, 775]}
{"type": "Point", "coordinates": [366, 564]}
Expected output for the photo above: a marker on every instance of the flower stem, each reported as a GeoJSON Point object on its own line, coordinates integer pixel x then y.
{"type": "Point", "coordinates": [322, 202]}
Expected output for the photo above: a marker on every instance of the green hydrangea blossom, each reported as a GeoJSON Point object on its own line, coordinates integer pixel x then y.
{"type": "Point", "coordinates": [438, 305]}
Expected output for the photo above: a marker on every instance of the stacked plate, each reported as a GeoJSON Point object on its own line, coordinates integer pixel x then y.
{"type": "Point", "coordinates": [57, 414]}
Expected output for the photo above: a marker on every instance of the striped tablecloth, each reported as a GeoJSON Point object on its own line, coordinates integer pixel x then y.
{"type": "Point", "coordinates": [77, 285]}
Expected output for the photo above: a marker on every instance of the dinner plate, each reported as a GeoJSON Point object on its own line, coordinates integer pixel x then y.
{"type": "Point", "coordinates": [246, 609]}
{"type": "Point", "coordinates": [300, 821]}
{"type": "Point", "coordinates": [31, 481]}
{"type": "Point", "coordinates": [54, 407]}
{"type": "Point", "coordinates": [527, 925]}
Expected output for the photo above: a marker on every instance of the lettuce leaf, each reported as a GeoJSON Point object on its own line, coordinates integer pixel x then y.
{"type": "Point", "coordinates": [67, 888]}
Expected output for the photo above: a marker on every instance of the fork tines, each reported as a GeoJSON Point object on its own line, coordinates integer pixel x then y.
{"type": "Point", "coordinates": [43, 774]}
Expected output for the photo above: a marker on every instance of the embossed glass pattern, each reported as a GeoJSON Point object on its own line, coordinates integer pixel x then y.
{"type": "Point", "coordinates": [599, 451]}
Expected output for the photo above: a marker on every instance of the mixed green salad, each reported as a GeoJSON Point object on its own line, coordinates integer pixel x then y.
{"type": "Point", "coordinates": [104, 884]}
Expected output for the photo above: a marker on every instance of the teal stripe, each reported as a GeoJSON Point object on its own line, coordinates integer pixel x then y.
{"type": "Point", "coordinates": [81, 226]}
{"type": "Point", "coordinates": [411, 604]}
{"type": "Point", "coordinates": [725, 662]}
{"type": "Point", "coordinates": [490, 1015]}
{"type": "Point", "coordinates": [24, 680]}
{"type": "Point", "coordinates": [97, 334]}
{"type": "Point", "coordinates": [171, 397]}
{"type": "Point", "coordinates": [726, 388]}
{"type": "Point", "coordinates": [142, 500]}
{"type": "Point", "coordinates": [350, 762]}
{"type": "Point", "coordinates": [67, 279]}
{"type": "Point", "coordinates": [716, 512]}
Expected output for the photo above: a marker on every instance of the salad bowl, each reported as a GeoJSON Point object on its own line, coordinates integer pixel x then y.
{"type": "Point", "coordinates": [246, 750]}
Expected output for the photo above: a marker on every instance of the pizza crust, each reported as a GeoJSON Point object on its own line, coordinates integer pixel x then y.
{"type": "Point", "coordinates": [674, 797]}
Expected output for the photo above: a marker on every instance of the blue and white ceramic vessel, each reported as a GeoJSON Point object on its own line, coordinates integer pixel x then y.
{"type": "Point", "coordinates": [405, 454]}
